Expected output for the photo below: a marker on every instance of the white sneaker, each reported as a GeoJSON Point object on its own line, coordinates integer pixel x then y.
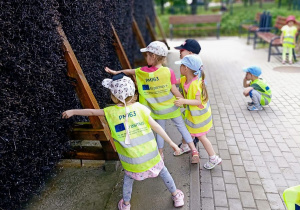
{"type": "Point", "coordinates": [213, 162]}
{"type": "Point", "coordinates": [183, 149]}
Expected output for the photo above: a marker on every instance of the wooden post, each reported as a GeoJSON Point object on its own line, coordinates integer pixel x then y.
{"type": "Point", "coordinates": [98, 123]}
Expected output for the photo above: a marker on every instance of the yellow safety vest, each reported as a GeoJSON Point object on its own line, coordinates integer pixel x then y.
{"type": "Point", "coordinates": [291, 197]}
{"type": "Point", "coordinates": [142, 153]}
{"type": "Point", "coordinates": [155, 93]}
{"type": "Point", "coordinates": [196, 120]}
{"type": "Point", "coordinates": [263, 89]}
{"type": "Point", "coordinates": [289, 36]}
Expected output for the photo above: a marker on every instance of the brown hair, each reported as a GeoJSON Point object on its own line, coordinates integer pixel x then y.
{"type": "Point", "coordinates": [204, 90]}
{"type": "Point", "coordinates": [158, 58]}
{"type": "Point", "coordinates": [131, 99]}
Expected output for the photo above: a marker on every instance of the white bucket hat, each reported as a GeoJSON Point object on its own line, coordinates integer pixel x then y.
{"type": "Point", "coordinates": [121, 87]}
{"type": "Point", "coordinates": [157, 48]}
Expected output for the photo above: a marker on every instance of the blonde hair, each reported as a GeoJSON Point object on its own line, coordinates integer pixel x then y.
{"type": "Point", "coordinates": [203, 87]}
{"type": "Point", "coordinates": [130, 99]}
{"type": "Point", "coordinates": [158, 58]}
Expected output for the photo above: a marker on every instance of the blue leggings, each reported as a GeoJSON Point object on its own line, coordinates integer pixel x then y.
{"type": "Point", "coordinates": [164, 174]}
{"type": "Point", "coordinates": [179, 123]}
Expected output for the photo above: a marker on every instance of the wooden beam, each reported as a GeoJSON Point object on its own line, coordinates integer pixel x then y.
{"type": "Point", "coordinates": [85, 94]}
{"type": "Point", "coordinates": [152, 32]}
{"type": "Point", "coordinates": [90, 153]}
{"type": "Point", "coordinates": [162, 33]}
{"type": "Point", "coordinates": [120, 50]}
{"type": "Point", "coordinates": [141, 42]}
{"type": "Point", "coordinates": [150, 28]}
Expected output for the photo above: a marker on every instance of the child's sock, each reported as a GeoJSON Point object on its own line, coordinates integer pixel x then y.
{"type": "Point", "coordinates": [185, 146]}
{"type": "Point", "coordinates": [212, 157]}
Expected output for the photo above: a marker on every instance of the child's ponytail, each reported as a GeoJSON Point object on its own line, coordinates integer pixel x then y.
{"type": "Point", "coordinates": [203, 87]}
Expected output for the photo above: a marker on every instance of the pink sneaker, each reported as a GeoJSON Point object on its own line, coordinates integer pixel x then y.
{"type": "Point", "coordinates": [178, 199]}
{"type": "Point", "coordinates": [122, 206]}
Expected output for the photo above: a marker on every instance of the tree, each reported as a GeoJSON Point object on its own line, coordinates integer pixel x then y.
{"type": "Point", "coordinates": [194, 7]}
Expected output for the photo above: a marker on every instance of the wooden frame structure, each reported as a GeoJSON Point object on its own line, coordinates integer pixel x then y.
{"type": "Point", "coordinates": [152, 31]}
{"type": "Point", "coordinates": [97, 129]}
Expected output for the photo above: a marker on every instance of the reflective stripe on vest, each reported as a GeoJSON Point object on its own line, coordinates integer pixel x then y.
{"type": "Point", "coordinates": [164, 111]}
{"type": "Point", "coordinates": [199, 125]}
{"type": "Point", "coordinates": [139, 155]}
{"type": "Point", "coordinates": [139, 160]}
{"type": "Point", "coordinates": [160, 99]}
{"type": "Point", "coordinates": [155, 92]}
{"type": "Point", "coordinates": [197, 120]}
{"type": "Point", "coordinates": [198, 112]}
{"type": "Point", "coordinates": [261, 87]}
{"type": "Point", "coordinates": [138, 140]}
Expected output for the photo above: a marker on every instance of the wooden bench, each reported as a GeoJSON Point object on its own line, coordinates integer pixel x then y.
{"type": "Point", "coordinates": [250, 26]}
{"type": "Point", "coordinates": [190, 23]}
{"type": "Point", "coordinates": [273, 36]}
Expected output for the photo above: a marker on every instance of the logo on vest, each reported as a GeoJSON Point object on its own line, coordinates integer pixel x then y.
{"type": "Point", "coordinates": [146, 87]}
{"type": "Point", "coordinates": [154, 79]}
{"type": "Point", "coordinates": [120, 127]}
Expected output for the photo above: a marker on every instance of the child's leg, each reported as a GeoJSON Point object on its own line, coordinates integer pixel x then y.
{"type": "Point", "coordinates": [177, 195]}
{"type": "Point", "coordinates": [247, 90]}
{"type": "Point", "coordinates": [290, 54]}
{"type": "Point", "coordinates": [127, 189]}
{"type": "Point", "coordinates": [160, 141]}
{"type": "Point", "coordinates": [213, 158]}
{"type": "Point", "coordinates": [284, 50]}
{"type": "Point", "coordinates": [180, 125]}
{"type": "Point", "coordinates": [168, 180]}
{"type": "Point", "coordinates": [207, 145]}
{"type": "Point", "coordinates": [255, 96]}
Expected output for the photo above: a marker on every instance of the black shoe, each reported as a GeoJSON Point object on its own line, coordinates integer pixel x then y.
{"type": "Point", "coordinates": [196, 140]}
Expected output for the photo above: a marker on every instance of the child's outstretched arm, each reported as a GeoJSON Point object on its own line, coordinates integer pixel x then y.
{"type": "Point", "coordinates": [125, 71]}
{"type": "Point", "coordinates": [158, 129]}
{"type": "Point", "coordinates": [82, 112]}
{"type": "Point", "coordinates": [175, 91]}
{"type": "Point", "coordinates": [193, 102]}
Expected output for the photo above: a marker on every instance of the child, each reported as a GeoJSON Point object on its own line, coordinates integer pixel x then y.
{"type": "Point", "coordinates": [197, 115]}
{"type": "Point", "coordinates": [190, 46]}
{"type": "Point", "coordinates": [130, 124]}
{"type": "Point", "coordinates": [259, 91]}
{"type": "Point", "coordinates": [288, 38]}
{"type": "Point", "coordinates": [157, 91]}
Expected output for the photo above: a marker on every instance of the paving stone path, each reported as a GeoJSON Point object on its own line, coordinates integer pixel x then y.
{"type": "Point", "coordinates": [260, 150]}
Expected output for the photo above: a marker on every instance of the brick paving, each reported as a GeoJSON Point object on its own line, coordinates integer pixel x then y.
{"type": "Point", "coordinates": [260, 150]}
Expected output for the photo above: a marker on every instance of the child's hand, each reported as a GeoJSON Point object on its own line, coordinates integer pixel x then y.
{"type": "Point", "coordinates": [179, 102]}
{"type": "Point", "coordinates": [67, 114]}
{"type": "Point", "coordinates": [108, 70]}
{"type": "Point", "coordinates": [175, 148]}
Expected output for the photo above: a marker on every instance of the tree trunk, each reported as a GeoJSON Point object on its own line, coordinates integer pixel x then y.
{"type": "Point", "coordinates": [162, 6]}
{"type": "Point", "coordinates": [206, 5]}
{"type": "Point", "coordinates": [194, 7]}
{"type": "Point", "coordinates": [260, 3]}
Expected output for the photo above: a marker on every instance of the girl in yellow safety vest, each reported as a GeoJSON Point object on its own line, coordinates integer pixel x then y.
{"type": "Point", "coordinates": [288, 38]}
{"type": "Point", "coordinates": [130, 124]}
{"type": "Point", "coordinates": [157, 91]}
{"type": "Point", "coordinates": [197, 115]}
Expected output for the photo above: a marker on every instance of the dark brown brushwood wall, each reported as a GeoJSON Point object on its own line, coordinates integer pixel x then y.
{"type": "Point", "coordinates": [35, 88]}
